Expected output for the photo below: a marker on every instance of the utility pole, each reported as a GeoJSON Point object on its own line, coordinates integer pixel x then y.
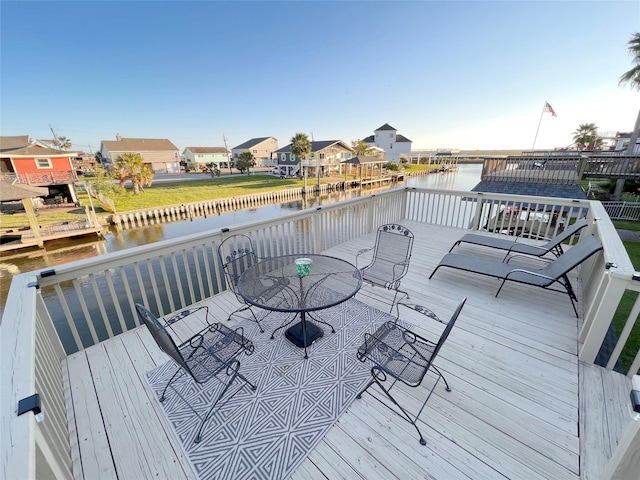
{"type": "Point", "coordinates": [228, 153]}
{"type": "Point", "coordinates": [55, 137]}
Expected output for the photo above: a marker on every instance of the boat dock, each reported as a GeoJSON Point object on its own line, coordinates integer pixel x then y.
{"type": "Point", "coordinates": [24, 237]}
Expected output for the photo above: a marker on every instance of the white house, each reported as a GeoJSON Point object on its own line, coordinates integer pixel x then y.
{"type": "Point", "coordinates": [394, 145]}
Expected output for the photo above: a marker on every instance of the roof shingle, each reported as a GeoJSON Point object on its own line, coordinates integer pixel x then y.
{"type": "Point", "coordinates": [139, 145]}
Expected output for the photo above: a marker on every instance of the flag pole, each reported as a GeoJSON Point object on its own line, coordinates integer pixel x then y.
{"type": "Point", "coordinates": [538, 129]}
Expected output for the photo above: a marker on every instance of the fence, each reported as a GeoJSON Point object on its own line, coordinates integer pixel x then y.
{"type": "Point", "coordinates": [94, 299]}
{"type": "Point", "coordinates": [623, 210]}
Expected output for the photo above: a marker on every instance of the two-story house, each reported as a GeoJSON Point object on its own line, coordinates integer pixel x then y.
{"type": "Point", "coordinates": [198, 158]}
{"type": "Point", "coordinates": [160, 153]}
{"type": "Point", "coordinates": [262, 149]}
{"type": "Point", "coordinates": [325, 157]}
{"type": "Point", "coordinates": [32, 163]}
{"type": "Point", "coordinates": [386, 137]}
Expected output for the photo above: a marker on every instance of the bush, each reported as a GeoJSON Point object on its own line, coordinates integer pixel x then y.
{"type": "Point", "coordinates": [392, 166]}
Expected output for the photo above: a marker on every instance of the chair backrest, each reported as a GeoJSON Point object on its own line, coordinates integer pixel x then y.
{"type": "Point", "coordinates": [393, 245]}
{"type": "Point", "coordinates": [572, 257]}
{"type": "Point", "coordinates": [447, 330]}
{"type": "Point", "coordinates": [566, 234]}
{"type": "Point", "coordinates": [161, 336]}
{"type": "Point", "coordinates": [236, 254]}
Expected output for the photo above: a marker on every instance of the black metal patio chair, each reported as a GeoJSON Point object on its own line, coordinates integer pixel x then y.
{"type": "Point", "coordinates": [237, 254]}
{"type": "Point", "coordinates": [390, 259]}
{"type": "Point", "coordinates": [211, 353]}
{"type": "Point", "coordinates": [400, 355]}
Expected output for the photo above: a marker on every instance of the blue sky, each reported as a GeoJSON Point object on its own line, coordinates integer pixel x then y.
{"type": "Point", "coordinates": [445, 74]}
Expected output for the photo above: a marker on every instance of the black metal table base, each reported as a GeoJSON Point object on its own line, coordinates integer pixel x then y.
{"type": "Point", "coordinates": [296, 336]}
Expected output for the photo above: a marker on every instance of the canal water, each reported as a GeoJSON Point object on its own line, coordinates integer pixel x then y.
{"type": "Point", "coordinates": [64, 251]}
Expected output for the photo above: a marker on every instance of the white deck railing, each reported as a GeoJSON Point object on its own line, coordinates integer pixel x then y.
{"type": "Point", "coordinates": [91, 300]}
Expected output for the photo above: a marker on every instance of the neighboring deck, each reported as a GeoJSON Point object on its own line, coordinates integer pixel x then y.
{"type": "Point", "coordinates": [26, 238]}
{"type": "Point", "coordinates": [511, 362]}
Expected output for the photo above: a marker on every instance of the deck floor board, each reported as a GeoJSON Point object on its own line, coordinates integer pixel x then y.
{"type": "Point", "coordinates": [511, 362]}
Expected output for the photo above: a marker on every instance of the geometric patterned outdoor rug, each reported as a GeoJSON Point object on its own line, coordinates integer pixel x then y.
{"type": "Point", "coordinates": [266, 434]}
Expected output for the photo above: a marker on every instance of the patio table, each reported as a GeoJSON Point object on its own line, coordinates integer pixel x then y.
{"type": "Point", "coordinates": [275, 284]}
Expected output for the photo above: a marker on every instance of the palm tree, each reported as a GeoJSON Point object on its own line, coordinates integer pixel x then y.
{"type": "Point", "coordinates": [586, 137]}
{"type": "Point", "coordinates": [632, 78]}
{"type": "Point", "coordinates": [131, 166]}
{"type": "Point", "coordinates": [64, 143]}
{"type": "Point", "coordinates": [360, 147]}
{"type": "Point", "coordinates": [300, 147]}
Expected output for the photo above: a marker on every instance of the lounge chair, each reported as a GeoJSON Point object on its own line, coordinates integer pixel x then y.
{"type": "Point", "coordinates": [514, 246]}
{"type": "Point", "coordinates": [552, 273]}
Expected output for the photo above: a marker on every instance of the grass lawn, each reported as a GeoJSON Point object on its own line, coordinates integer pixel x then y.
{"type": "Point", "coordinates": [175, 193]}
{"type": "Point", "coordinates": [418, 168]}
{"type": "Point", "coordinates": [624, 309]}
{"type": "Point", "coordinates": [627, 225]}
{"type": "Point", "coordinates": [163, 194]}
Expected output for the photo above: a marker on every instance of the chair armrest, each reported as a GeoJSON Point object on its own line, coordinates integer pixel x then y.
{"type": "Point", "coordinates": [399, 276]}
{"type": "Point", "coordinates": [237, 336]}
{"type": "Point", "coordinates": [538, 247]}
{"type": "Point", "coordinates": [373, 340]}
{"type": "Point", "coordinates": [528, 272]}
{"type": "Point", "coordinates": [537, 237]}
{"type": "Point", "coordinates": [422, 310]}
{"type": "Point", "coordinates": [528, 257]}
{"type": "Point", "coordinates": [360, 252]}
{"type": "Point", "coordinates": [410, 338]}
{"type": "Point", "coordinates": [185, 313]}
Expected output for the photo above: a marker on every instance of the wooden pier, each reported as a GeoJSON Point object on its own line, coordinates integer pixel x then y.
{"type": "Point", "coordinates": [25, 238]}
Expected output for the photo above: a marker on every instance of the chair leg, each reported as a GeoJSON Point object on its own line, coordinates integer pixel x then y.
{"type": "Point", "coordinates": [179, 371]}
{"type": "Point", "coordinates": [393, 303]}
{"type": "Point", "coordinates": [233, 372]}
{"type": "Point", "coordinates": [447, 387]}
{"type": "Point", "coordinates": [317, 320]}
{"type": "Point", "coordinates": [284, 325]}
{"type": "Point", "coordinates": [244, 308]}
{"type": "Point", "coordinates": [378, 378]}
{"type": "Point", "coordinates": [572, 296]}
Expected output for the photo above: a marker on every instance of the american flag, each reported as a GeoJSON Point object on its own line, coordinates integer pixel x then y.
{"type": "Point", "coordinates": [549, 108]}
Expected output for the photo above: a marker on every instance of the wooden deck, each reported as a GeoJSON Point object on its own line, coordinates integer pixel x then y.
{"type": "Point", "coordinates": [514, 412]}
{"type": "Point", "coordinates": [49, 233]}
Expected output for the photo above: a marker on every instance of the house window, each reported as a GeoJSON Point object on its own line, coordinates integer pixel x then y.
{"type": "Point", "coordinates": [43, 162]}
{"type": "Point", "coordinates": [254, 151]}
{"type": "Point", "coordinates": [322, 156]}
{"type": "Point", "coordinates": [283, 157]}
